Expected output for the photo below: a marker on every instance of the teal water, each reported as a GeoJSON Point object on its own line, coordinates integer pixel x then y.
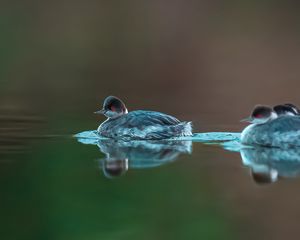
{"type": "Point", "coordinates": [63, 186]}
{"type": "Point", "coordinates": [209, 62]}
{"type": "Point", "coordinates": [267, 165]}
{"type": "Point", "coordinates": [57, 190]}
{"type": "Point", "coordinates": [91, 137]}
{"type": "Point", "coordinates": [124, 155]}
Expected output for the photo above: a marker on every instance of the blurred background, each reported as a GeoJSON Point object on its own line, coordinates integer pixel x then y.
{"type": "Point", "coordinates": [205, 61]}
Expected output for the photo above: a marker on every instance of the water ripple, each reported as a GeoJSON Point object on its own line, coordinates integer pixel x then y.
{"type": "Point", "coordinates": [92, 137]}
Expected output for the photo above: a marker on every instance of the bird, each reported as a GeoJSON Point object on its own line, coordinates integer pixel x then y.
{"type": "Point", "coordinates": [269, 129]}
{"type": "Point", "coordinates": [287, 109]}
{"type": "Point", "coordinates": [139, 124]}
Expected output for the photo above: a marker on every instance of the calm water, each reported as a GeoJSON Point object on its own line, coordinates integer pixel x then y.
{"type": "Point", "coordinates": [54, 187]}
{"type": "Point", "coordinates": [205, 61]}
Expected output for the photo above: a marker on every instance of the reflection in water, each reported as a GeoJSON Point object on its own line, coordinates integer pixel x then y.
{"type": "Point", "coordinates": [121, 155]}
{"type": "Point", "coordinates": [270, 164]}
{"type": "Point", "coordinates": [267, 164]}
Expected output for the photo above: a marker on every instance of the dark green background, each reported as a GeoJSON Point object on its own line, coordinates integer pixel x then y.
{"type": "Point", "coordinates": [205, 61]}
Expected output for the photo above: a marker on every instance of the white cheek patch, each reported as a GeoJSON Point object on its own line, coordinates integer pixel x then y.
{"type": "Point", "coordinates": [273, 115]}
{"type": "Point", "coordinates": [110, 114]}
{"type": "Point", "coordinates": [259, 120]}
{"type": "Point", "coordinates": [295, 110]}
{"type": "Point", "coordinates": [289, 114]}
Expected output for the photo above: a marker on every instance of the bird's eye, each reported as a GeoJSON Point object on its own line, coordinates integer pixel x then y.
{"type": "Point", "coordinates": [258, 116]}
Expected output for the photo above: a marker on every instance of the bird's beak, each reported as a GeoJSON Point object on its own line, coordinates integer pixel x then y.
{"type": "Point", "coordinates": [248, 119]}
{"type": "Point", "coordinates": [102, 111]}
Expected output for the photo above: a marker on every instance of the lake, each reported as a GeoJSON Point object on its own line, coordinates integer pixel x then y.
{"type": "Point", "coordinates": [54, 187]}
{"type": "Point", "coordinates": [201, 61]}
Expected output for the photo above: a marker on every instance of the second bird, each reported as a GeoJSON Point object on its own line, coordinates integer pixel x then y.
{"type": "Point", "coordinates": [272, 128]}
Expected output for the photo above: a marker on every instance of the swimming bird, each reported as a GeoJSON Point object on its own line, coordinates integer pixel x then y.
{"type": "Point", "coordinates": [287, 109]}
{"type": "Point", "coordinates": [270, 130]}
{"type": "Point", "coordinates": [140, 124]}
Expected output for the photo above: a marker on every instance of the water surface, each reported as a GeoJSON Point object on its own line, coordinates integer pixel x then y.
{"type": "Point", "coordinates": [209, 62]}
{"type": "Point", "coordinates": [55, 187]}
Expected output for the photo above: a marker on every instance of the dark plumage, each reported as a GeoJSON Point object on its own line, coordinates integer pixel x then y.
{"type": "Point", "coordinates": [286, 109]}
{"type": "Point", "coordinates": [281, 132]}
{"type": "Point", "coordinates": [144, 125]}
{"type": "Point", "coordinates": [139, 124]}
{"type": "Point", "coordinates": [281, 124]}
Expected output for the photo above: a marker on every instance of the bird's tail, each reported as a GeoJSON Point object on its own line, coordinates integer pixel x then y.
{"type": "Point", "coordinates": [183, 129]}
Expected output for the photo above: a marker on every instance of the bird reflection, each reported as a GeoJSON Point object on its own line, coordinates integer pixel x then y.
{"type": "Point", "coordinates": [124, 155]}
{"type": "Point", "coordinates": [268, 165]}
{"type": "Point", "coordinates": [114, 167]}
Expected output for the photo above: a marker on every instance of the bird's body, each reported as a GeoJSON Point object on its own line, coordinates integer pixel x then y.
{"type": "Point", "coordinates": [140, 124]}
{"type": "Point", "coordinates": [144, 125]}
{"type": "Point", "coordinates": [280, 132]}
